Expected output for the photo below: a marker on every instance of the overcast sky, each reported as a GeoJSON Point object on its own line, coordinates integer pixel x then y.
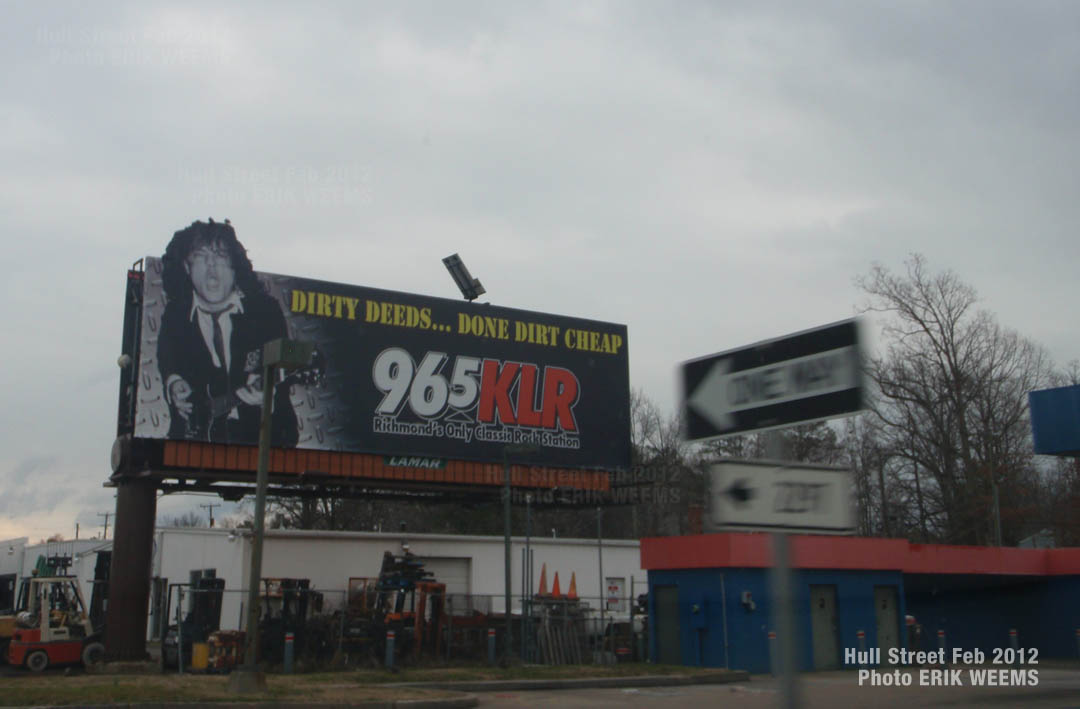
{"type": "Point", "coordinates": [710, 174]}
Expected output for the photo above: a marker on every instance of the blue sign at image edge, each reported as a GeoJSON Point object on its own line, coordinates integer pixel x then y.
{"type": "Point", "coordinates": [1055, 420]}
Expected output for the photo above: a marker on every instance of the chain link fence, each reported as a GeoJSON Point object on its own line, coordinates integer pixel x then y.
{"type": "Point", "coordinates": [200, 628]}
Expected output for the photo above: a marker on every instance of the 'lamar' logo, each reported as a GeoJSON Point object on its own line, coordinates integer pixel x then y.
{"type": "Point", "coordinates": [414, 462]}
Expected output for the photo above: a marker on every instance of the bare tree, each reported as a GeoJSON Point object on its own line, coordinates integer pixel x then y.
{"type": "Point", "coordinates": [666, 471]}
{"type": "Point", "coordinates": [864, 455]}
{"type": "Point", "coordinates": [188, 519]}
{"type": "Point", "coordinates": [950, 401]}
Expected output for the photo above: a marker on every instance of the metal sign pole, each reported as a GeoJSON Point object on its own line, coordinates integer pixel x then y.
{"type": "Point", "coordinates": [783, 600]}
{"type": "Point", "coordinates": [783, 591]}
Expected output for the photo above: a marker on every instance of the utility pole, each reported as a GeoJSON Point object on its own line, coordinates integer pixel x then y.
{"type": "Point", "coordinates": [603, 584]}
{"type": "Point", "coordinates": [211, 508]}
{"type": "Point", "coordinates": [277, 354]}
{"type": "Point", "coordinates": [507, 600]}
{"type": "Point", "coordinates": [105, 534]}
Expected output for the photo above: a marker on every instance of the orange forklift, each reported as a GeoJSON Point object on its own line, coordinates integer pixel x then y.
{"type": "Point", "coordinates": [405, 599]}
{"type": "Point", "coordinates": [54, 629]}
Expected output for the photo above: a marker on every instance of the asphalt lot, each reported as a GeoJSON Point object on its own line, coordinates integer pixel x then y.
{"type": "Point", "coordinates": [1056, 688]}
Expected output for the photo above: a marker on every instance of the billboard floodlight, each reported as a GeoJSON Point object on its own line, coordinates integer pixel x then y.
{"type": "Point", "coordinates": [470, 287]}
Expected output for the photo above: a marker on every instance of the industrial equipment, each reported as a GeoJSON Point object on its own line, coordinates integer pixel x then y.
{"type": "Point", "coordinates": [289, 606]}
{"type": "Point", "coordinates": [203, 618]}
{"type": "Point", "coordinates": [404, 599]}
{"type": "Point", "coordinates": [46, 566]}
{"type": "Point", "coordinates": [54, 629]}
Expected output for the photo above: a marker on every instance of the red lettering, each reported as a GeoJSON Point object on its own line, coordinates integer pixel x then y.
{"type": "Point", "coordinates": [495, 383]}
{"type": "Point", "coordinates": [560, 395]}
{"type": "Point", "coordinates": [527, 415]}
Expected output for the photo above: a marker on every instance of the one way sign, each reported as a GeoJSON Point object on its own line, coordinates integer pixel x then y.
{"type": "Point", "coordinates": [807, 376]}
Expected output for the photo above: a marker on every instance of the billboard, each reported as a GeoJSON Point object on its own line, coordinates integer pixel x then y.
{"type": "Point", "coordinates": [394, 373]}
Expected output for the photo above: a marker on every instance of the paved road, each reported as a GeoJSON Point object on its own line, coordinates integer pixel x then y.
{"type": "Point", "coordinates": [1056, 688]}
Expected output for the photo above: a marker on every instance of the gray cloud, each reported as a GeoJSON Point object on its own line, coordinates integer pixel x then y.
{"type": "Point", "coordinates": [711, 176]}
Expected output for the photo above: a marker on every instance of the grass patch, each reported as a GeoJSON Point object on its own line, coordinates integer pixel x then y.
{"type": "Point", "coordinates": [475, 673]}
{"type": "Point", "coordinates": [107, 689]}
{"type": "Point", "coordinates": [323, 687]}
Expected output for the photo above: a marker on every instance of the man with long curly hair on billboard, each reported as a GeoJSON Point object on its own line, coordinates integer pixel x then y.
{"type": "Point", "coordinates": [217, 318]}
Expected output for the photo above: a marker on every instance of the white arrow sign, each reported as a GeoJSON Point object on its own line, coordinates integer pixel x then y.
{"type": "Point", "coordinates": [766, 495]}
{"type": "Point", "coordinates": [722, 392]}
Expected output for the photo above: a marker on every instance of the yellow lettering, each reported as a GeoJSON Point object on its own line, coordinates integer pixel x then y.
{"type": "Point", "coordinates": [425, 318]}
{"type": "Point", "coordinates": [331, 306]}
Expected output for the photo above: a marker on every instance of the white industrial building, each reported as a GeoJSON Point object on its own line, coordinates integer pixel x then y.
{"type": "Point", "coordinates": [466, 564]}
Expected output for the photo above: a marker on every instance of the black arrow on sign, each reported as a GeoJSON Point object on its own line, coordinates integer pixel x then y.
{"type": "Point", "coordinates": [740, 493]}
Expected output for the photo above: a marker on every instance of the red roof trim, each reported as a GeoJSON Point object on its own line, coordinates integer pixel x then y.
{"type": "Point", "coordinates": [741, 550]}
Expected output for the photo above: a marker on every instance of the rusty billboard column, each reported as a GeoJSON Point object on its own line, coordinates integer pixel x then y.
{"type": "Point", "coordinates": [129, 576]}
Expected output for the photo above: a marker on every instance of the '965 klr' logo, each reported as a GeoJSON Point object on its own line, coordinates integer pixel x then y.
{"type": "Point", "coordinates": [504, 392]}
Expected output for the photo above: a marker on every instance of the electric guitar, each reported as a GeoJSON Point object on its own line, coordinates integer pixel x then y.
{"type": "Point", "coordinates": [209, 417]}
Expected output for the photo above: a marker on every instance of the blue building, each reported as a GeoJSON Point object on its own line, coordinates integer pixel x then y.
{"type": "Point", "coordinates": [710, 599]}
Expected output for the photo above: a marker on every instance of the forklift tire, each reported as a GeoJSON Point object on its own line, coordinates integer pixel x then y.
{"type": "Point", "coordinates": [93, 654]}
{"type": "Point", "coordinates": [37, 661]}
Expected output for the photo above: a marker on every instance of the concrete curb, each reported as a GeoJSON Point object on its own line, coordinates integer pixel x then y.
{"type": "Point", "coordinates": [583, 683]}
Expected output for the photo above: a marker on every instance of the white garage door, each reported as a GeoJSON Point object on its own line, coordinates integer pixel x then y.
{"type": "Point", "coordinates": [455, 572]}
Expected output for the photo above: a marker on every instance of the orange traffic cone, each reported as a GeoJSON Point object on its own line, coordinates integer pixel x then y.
{"type": "Point", "coordinates": [555, 592]}
{"type": "Point", "coordinates": [543, 581]}
{"type": "Point", "coordinates": [572, 593]}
